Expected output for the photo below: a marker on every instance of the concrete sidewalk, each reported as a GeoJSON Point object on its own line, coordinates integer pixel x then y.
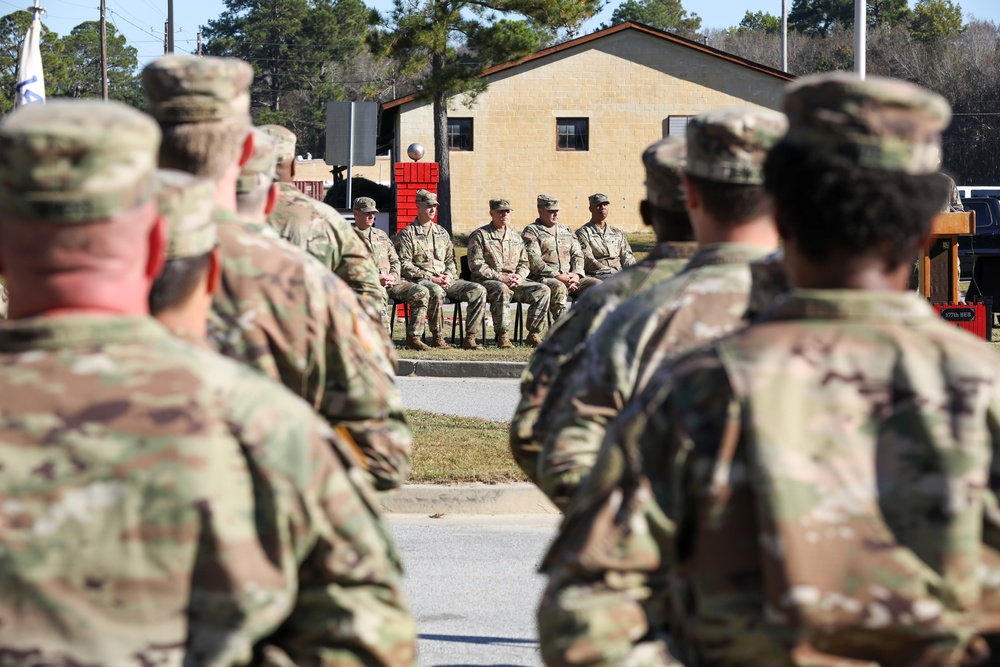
{"type": "Point", "coordinates": [524, 498]}
{"type": "Point", "coordinates": [459, 369]}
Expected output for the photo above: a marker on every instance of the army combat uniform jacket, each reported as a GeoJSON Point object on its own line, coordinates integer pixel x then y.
{"type": "Point", "coordinates": [561, 351]}
{"type": "Point", "coordinates": [552, 251]}
{"type": "Point", "coordinates": [818, 489]}
{"type": "Point", "coordinates": [163, 505]}
{"type": "Point", "coordinates": [387, 263]}
{"type": "Point", "coordinates": [280, 311]}
{"type": "Point", "coordinates": [322, 232]}
{"type": "Point", "coordinates": [705, 301]}
{"type": "Point", "coordinates": [605, 251]}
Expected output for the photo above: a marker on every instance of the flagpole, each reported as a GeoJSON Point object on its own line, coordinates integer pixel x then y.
{"type": "Point", "coordinates": [30, 87]}
{"type": "Point", "coordinates": [104, 52]}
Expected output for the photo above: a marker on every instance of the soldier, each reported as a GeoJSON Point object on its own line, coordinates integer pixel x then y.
{"type": "Point", "coordinates": [427, 257]}
{"type": "Point", "coordinates": [320, 230]}
{"type": "Point", "coordinates": [953, 203]}
{"type": "Point", "coordinates": [161, 504]}
{"type": "Point", "coordinates": [256, 190]}
{"type": "Point", "coordinates": [606, 251]}
{"type": "Point", "coordinates": [819, 488]}
{"type": "Point", "coordinates": [278, 310]}
{"type": "Point", "coordinates": [733, 220]}
{"type": "Point", "coordinates": [387, 262]}
{"type": "Point", "coordinates": [498, 260]}
{"type": "Point", "coordinates": [562, 350]}
{"type": "Point", "coordinates": [554, 257]}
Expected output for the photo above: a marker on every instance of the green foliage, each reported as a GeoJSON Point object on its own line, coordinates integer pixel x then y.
{"type": "Point", "coordinates": [820, 17]}
{"type": "Point", "coordinates": [934, 20]}
{"type": "Point", "coordinates": [761, 22]}
{"type": "Point", "coordinates": [668, 15]}
{"type": "Point", "coordinates": [294, 47]}
{"type": "Point", "coordinates": [13, 28]}
{"type": "Point", "coordinates": [361, 187]}
{"type": "Point", "coordinates": [82, 48]}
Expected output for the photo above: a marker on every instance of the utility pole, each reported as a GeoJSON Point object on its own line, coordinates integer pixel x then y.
{"type": "Point", "coordinates": [170, 22]}
{"type": "Point", "coordinates": [166, 30]}
{"type": "Point", "coordinates": [104, 52]}
{"type": "Point", "coordinates": [860, 36]}
{"type": "Point", "coordinates": [199, 44]}
{"type": "Point", "coordinates": [784, 35]}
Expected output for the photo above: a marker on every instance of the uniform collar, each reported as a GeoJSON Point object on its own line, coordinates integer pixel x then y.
{"type": "Point", "coordinates": [674, 250]}
{"type": "Point", "coordinates": [728, 253]}
{"type": "Point", "coordinates": [84, 330]}
{"type": "Point", "coordinates": [801, 304]}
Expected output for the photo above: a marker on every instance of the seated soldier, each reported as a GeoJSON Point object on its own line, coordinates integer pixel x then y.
{"type": "Point", "coordinates": [606, 250]}
{"type": "Point", "coordinates": [498, 260]}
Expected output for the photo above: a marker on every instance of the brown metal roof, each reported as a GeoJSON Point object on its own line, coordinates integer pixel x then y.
{"type": "Point", "coordinates": [628, 25]}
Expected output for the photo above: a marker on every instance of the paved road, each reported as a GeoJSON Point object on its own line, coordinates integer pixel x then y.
{"type": "Point", "coordinates": [466, 397]}
{"type": "Point", "coordinates": [473, 585]}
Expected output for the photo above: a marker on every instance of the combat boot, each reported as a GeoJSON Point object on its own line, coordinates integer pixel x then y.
{"type": "Point", "coordinates": [439, 342]}
{"type": "Point", "coordinates": [414, 343]}
{"type": "Point", "coordinates": [469, 343]}
{"type": "Point", "coordinates": [533, 340]}
{"type": "Point", "coordinates": [503, 341]}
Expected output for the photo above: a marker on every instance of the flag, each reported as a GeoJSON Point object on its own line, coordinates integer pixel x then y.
{"type": "Point", "coordinates": [30, 80]}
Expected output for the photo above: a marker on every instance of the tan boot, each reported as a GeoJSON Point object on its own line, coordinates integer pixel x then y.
{"type": "Point", "coordinates": [439, 342]}
{"type": "Point", "coordinates": [414, 343]}
{"type": "Point", "coordinates": [503, 341]}
{"type": "Point", "coordinates": [469, 343]}
{"type": "Point", "coordinates": [533, 340]}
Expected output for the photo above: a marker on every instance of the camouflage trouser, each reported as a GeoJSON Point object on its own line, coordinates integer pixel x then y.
{"type": "Point", "coordinates": [536, 295]}
{"type": "Point", "coordinates": [460, 290]}
{"type": "Point", "coordinates": [417, 296]}
{"type": "Point", "coordinates": [559, 301]}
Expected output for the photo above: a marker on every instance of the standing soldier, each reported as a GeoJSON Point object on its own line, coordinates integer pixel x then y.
{"type": "Point", "coordinates": [606, 251]}
{"type": "Point", "coordinates": [733, 219]}
{"type": "Point", "coordinates": [427, 257]}
{"type": "Point", "coordinates": [561, 352]}
{"type": "Point", "coordinates": [821, 487]}
{"type": "Point", "coordinates": [319, 229]}
{"type": "Point", "coordinates": [498, 260]}
{"type": "Point", "coordinates": [278, 310]}
{"type": "Point", "coordinates": [387, 263]}
{"type": "Point", "coordinates": [554, 257]}
{"type": "Point", "coordinates": [161, 504]}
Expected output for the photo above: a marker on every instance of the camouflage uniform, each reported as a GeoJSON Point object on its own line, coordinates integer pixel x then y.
{"type": "Point", "coordinates": [494, 253]}
{"type": "Point", "coordinates": [279, 310]}
{"type": "Point", "coordinates": [426, 251]}
{"type": "Point", "coordinates": [322, 232]}
{"type": "Point", "coordinates": [553, 251]}
{"type": "Point", "coordinates": [162, 504]}
{"type": "Point", "coordinates": [818, 489]}
{"type": "Point", "coordinates": [606, 251]}
{"type": "Point", "coordinates": [3, 300]}
{"type": "Point", "coordinates": [708, 299]}
{"type": "Point", "coordinates": [387, 261]}
{"type": "Point", "coordinates": [954, 203]}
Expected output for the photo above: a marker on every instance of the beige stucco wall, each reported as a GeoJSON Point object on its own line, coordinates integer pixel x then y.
{"type": "Point", "coordinates": [627, 84]}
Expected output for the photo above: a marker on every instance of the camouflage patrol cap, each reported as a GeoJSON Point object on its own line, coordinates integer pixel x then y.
{"type": "Point", "coordinates": [548, 203]}
{"type": "Point", "coordinates": [71, 161]}
{"type": "Point", "coordinates": [426, 197]}
{"type": "Point", "coordinates": [364, 204]}
{"type": "Point", "coordinates": [186, 201]}
{"type": "Point", "coordinates": [728, 145]}
{"type": "Point", "coordinates": [284, 142]}
{"type": "Point", "coordinates": [875, 122]}
{"type": "Point", "coordinates": [598, 198]}
{"type": "Point", "coordinates": [664, 162]}
{"type": "Point", "coordinates": [260, 169]}
{"type": "Point", "coordinates": [500, 204]}
{"type": "Point", "coordinates": [188, 89]}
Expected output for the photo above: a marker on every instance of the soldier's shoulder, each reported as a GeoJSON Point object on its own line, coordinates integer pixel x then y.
{"type": "Point", "coordinates": [564, 228]}
{"type": "Point", "coordinates": [380, 235]}
{"type": "Point", "coordinates": [480, 231]}
{"type": "Point", "coordinates": [585, 228]}
{"type": "Point", "coordinates": [440, 231]}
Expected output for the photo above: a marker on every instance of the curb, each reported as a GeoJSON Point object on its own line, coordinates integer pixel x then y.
{"type": "Point", "coordinates": [521, 498]}
{"type": "Point", "coordinates": [459, 369]}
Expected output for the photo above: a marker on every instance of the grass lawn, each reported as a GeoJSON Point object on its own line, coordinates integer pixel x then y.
{"type": "Point", "coordinates": [452, 450]}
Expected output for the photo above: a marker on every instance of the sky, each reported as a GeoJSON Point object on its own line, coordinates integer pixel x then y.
{"type": "Point", "coordinates": [141, 21]}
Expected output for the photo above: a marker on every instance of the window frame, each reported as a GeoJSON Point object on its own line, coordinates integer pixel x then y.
{"type": "Point", "coordinates": [585, 120]}
{"type": "Point", "coordinates": [472, 133]}
{"type": "Point", "coordinates": [688, 118]}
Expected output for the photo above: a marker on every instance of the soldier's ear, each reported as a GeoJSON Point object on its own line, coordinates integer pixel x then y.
{"type": "Point", "coordinates": [645, 213]}
{"type": "Point", "coordinates": [157, 248]}
{"type": "Point", "coordinates": [693, 196]}
{"type": "Point", "coordinates": [214, 276]}
{"type": "Point", "coordinates": [247, 149]}
{"type": "Point", "coordinates": [272, 199]}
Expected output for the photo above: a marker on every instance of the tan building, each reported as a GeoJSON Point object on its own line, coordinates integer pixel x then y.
{"type": "Point", "coordinates": [574, 119]}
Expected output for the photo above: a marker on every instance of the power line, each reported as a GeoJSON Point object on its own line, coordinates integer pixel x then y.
{"type": "Point", "coordinates": [159, 38]}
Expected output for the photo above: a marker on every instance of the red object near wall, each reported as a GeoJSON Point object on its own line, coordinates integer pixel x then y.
{"type": "Point", "coordinates": [974, 317]}
{"type": "Point", "coordinates": [409, 177]}
{"type": "Point", "coordinates": [314, 189]}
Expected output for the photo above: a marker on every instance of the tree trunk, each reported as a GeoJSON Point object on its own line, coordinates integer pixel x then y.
{"type": "Point", "coordinates": [441, 155]}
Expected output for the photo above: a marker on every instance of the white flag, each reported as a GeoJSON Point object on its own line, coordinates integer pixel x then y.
{"type": "Point", "coordinates": [30, 80]}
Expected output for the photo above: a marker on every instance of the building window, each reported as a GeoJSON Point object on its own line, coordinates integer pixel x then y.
{"type": "Point", "coordinates": [676, 126]}
{"type": "Point", "coordinates": [460, 134]}
{"type": "Point", "coordinates": [572, 134]}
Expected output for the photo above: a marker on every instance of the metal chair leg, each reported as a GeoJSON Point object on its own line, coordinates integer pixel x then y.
{"type": "Point", "coordinates": [456, 320]}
